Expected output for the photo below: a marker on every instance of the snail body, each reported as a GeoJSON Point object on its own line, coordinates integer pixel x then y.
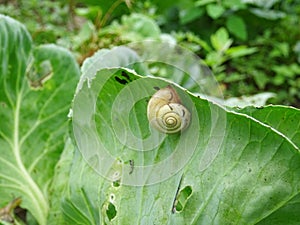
{"type": "Point", "coordinates": [166, 113]}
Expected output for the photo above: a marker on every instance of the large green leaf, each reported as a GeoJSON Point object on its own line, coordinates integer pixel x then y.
{"type": "Point", "coordinates": [36, 88]}
{"type": "Point", "coordinates": [286, 120]}
{"type": "Point", "coordinates": [226, 168]}
{"type": "Point", "coordinates": [59, 185]}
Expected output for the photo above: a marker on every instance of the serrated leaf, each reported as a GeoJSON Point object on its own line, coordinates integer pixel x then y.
{"type": "Point", "coordinates": [36, 87]}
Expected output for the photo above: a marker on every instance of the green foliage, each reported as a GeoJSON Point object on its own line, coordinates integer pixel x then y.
{"type": "Point", "coordinates": [244, 167]}
{"type": "Point", "coordinates": [95, 8]}
{"type": "Point", "coordinates": [255, 168]}
{"type": "Point", "coordinates": [86, 26]}
{"type": "Point", "coordinates": [137, 27]}
{"type": "Point", "coordinates": [246, 74]}
{"type": "Point", "coordinates": [237, 27]}
{"type": "Point", "coordinates": [222, 51]}
{"type": "Point", "coordinates": [46, 20]}
{"type": "Point", "coordinates": [37, 84]}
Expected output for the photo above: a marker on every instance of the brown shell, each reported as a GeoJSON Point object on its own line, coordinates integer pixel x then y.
{"type": "Point", "coordinates": [166, 113]}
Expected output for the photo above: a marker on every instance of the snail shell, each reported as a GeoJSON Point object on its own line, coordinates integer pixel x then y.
{"type": "Point", "coordinates": [166, 113]}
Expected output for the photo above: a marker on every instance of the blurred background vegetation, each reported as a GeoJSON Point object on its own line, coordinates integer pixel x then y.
{"type": "Point", "coordinates": [252, 46]}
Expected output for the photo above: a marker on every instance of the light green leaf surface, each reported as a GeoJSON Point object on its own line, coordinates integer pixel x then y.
{"type": "Point", "coordinates": [59, 185]}
{"type": "Point", "coordinates": [220, 40]}
{"type": "Point", "coordinates": [190, 14]}
{"type": "Point", "coordinates": [141, 25]}
{"type": "Point", "coordinates": [284, 119]}
{"type": "Point", "coordinates": [241, 171]}
{"type": "Point", "coordinates": [240, 51]}
{"type": "Point", "coordinates": [288, 214]}
{"type": "Point", "coordinates": [215, 10]}
{"type": "Point", "coordinates": [120, 56]}
{"type": "Point", "coordinates": [36, 88]}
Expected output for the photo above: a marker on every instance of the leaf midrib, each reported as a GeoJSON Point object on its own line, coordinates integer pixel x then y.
{"type": "Point", "coordinates": [41, 205]}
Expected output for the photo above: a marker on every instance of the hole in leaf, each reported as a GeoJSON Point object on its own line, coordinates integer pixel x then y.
{"type": "Point", "coordinates": [111, 211]}
{"type": "Point", "coordinates": [121, 81]}
{"type": "Point", "coordinates": [124, 74]}
{"type": "Point", "coordinates": [40, 73]}
{"type": "Point", "coordinates": [116, 183]}
{"type": "Point", "coordinates": [131, 163]}
{"type": "Point", "coordinates": [182, 198]}
{"type": "Point", "coordinates": [11, 211]}
{"type": "Point", "coordinates": [112, 197]}
{"type": "Point", "coordinates": [116, 175]}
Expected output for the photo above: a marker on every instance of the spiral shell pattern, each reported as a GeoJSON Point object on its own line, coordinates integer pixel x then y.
{"type": "Point", "coordinates": [166, 113]}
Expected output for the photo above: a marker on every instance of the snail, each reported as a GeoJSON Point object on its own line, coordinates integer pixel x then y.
{"type": "Point", "coordinates": [166, 113]}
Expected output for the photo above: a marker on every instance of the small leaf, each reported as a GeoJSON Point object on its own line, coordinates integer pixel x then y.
{"type": "Point", "coordinates": [137, 27]}
{"type": "Point", "coordinates": [190, 14]}
{"type": "Point", "coordinates": [266, 4]}
{"type": "Point", "coordinates": [237, 27]}
{"type": "Point", "coordinates": [215, 10]}
{"type": "Point", "coordinates": [261, 79]}
{"type": "Point", "coordinates": [86, 32]}
{"type": "Point", "coordinates": [235, 4]}
{"type": "Point", "coordinates": [220, 40]}
{"type": "Point", "coordinates": [239, 51]}
{"type": "Point", "coordinates": [204, 2]}
{"type": "Point", "coordinates": [268, 14]}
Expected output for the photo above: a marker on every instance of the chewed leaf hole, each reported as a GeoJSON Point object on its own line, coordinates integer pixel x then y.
{"type": "Point", "coordinates": [116, 183]}
{"type": "Point", "coordinates": [122, 77]}
{"type": "Point", "coordinates": [120, 80]}
{"type": "Point", "coordinates": [182, 198]}
{"type": "Point", "coordinates": [112, 197]}
{"type": "Point", "coordinates": [40, 73]}
{"type": "Point", "coordinates": [111, 211]}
